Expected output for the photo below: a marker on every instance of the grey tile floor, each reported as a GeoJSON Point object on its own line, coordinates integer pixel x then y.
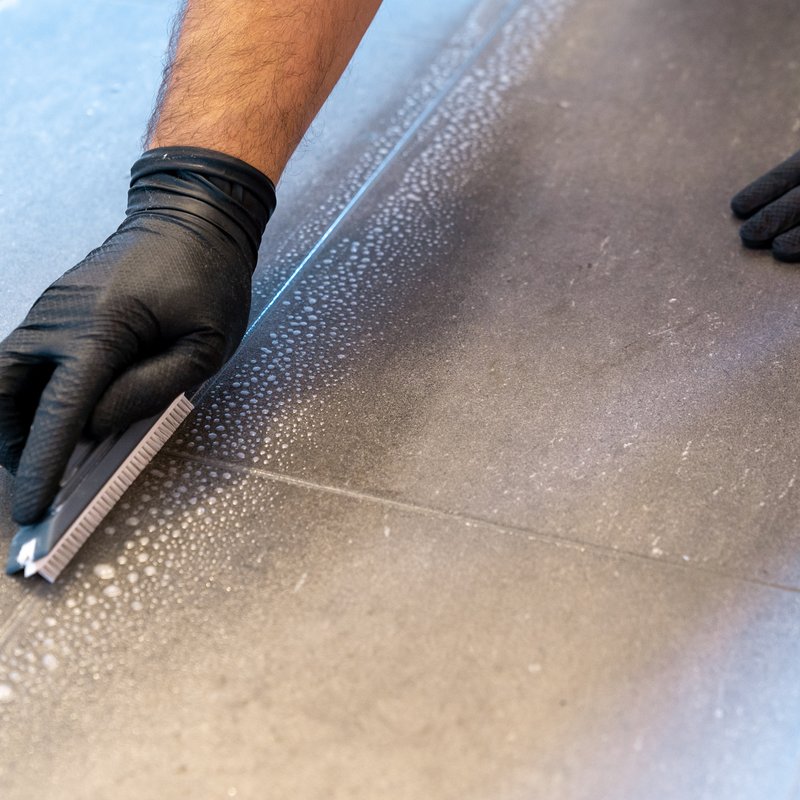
{"type": "Point", "coordinates": [498, 498]}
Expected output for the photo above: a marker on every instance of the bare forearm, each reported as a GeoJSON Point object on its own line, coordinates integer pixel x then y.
{"type": "Point", "coordinates": [248, 77]}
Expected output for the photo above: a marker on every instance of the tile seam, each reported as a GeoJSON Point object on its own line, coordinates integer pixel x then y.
{"type": "Point", "coordinates": [503, 527]}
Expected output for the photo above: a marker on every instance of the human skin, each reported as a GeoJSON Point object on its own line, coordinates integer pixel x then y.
{"type": "Point", "coordinates": [247, 78]}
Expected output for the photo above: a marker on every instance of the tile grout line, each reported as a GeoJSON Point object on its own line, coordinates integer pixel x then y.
{"type": "Point", "coordinates": [403, 505]}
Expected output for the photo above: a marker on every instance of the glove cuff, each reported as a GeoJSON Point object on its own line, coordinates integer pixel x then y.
{"type": "Point", "coordinates": [222, 190]}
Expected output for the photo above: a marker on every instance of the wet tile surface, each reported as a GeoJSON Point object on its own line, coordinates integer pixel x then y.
{"type": "Point", "coordinates": [226, 632]}
{"type": "Point", "coordinates": [455, 521]}
{"type": "Point", "coordinates": [539, 325]}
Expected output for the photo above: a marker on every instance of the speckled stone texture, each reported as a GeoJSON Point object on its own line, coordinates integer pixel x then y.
{"type": "Point", "coordinates": [498, 499]}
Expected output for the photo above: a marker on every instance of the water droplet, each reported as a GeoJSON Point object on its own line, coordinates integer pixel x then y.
{"type": "Point", "coordinates": [50, 662]}
{"type": "Point", "coordinates": [104, 571]}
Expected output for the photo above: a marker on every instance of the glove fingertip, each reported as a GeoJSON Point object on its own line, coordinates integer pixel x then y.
{"type": "Point", "coordinates": [754, 239]}
{"type": "Point", "coordinates": [36, 482]}
{"type": "Point", "coordinates": [786, 257]}
{"type": "Point", "coordinates": [30, 506]}
{"type": "Point", "coordinates": [786, 248]}
{"type": "Point", "coordinates": [742, 205]}
{"type": "Point", "coordinates": [38, 477]}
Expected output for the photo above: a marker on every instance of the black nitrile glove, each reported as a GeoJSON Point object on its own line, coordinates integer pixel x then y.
{"type": "Point", "coordinates": [771, 206]}
{"type": "Point", "coordinates": [154, 311]}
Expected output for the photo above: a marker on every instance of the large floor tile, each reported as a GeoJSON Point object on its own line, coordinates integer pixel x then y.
{"type": "Point", "coordinates": [543, 316]}
{"type": "Point", "coordinates": [227, 635]}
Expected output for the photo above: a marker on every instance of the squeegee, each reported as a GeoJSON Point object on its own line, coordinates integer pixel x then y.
{"type": "Point", "coordinates": [96, 477]}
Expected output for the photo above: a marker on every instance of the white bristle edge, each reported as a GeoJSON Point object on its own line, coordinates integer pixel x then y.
{"type": "Point", "coordinates": [53, 564]}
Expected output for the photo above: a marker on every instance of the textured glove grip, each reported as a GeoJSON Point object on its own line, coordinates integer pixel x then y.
{"type": "Point", "coordinates": [216, 187]}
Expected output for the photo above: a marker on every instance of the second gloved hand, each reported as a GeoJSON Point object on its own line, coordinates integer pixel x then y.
{"type": "Point", "coordinates": [771, 206]}
{"type": "Point", "coordinates": [154, 311]}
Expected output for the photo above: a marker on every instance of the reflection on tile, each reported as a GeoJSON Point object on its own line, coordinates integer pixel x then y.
{"type": "Point", "coordinates": [234, 632]}
{"type": "Point", "coordinates": [78, 81]}
{"type": "Point", "coordinates": [533, 323]}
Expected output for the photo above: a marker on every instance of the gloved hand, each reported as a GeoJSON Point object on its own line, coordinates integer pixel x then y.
{"type": "Point", "coordinates": [154, 311]}
{"type": "Point", "coordinates": [772, 207]}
